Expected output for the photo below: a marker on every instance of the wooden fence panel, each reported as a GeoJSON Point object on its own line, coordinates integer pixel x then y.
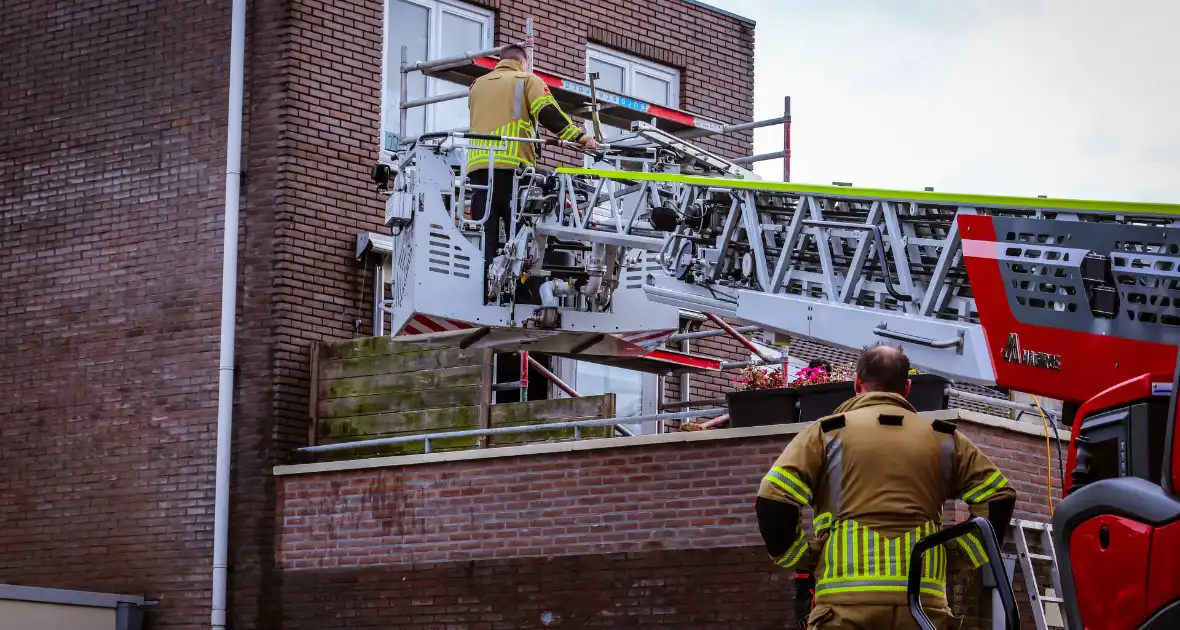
{"type": "Point", "coordinates": [363, 389]}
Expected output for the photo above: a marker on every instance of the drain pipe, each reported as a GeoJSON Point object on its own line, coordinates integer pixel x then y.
{"type": "Point", "coordinates": [229, 308]}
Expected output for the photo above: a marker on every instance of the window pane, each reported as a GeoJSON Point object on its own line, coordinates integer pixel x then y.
{"type": "Point", "coordinates": [459, 35]}
{"type": "Point", "coordinates": [650, 89]}
{"type": "Point", "coordinates": [627, 386]}
{"type": "Point", "coordinates": [410, 27]}
{"type": "Point", "coordinates": [610, 76]}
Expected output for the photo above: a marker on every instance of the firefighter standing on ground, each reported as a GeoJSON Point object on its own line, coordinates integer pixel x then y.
{"type": "Point", "coordinates": [877, 475]}
{"type": "Point", "coordinates": [510, 101]}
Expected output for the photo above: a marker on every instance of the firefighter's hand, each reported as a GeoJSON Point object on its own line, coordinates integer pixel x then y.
{"type": "Point", "coordinates": [589, 142]}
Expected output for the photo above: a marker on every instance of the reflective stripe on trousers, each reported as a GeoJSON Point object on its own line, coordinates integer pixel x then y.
{"type": "Point", "coordinates": [858, 559]}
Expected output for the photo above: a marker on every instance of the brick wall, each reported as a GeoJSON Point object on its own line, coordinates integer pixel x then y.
{"type": "Point", "coordinates": [716, 588]}
{"type": "Point", "coordinates": [332, 118]}
{"type": "Point", "coordinates": [111, 187]}
{"type": "Point", "coordinates": [684, 496]}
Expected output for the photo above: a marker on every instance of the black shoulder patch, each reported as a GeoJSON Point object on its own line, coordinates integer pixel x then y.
{"type": "Point", "coordinates": [833, 423]}
{"type": "Point", "coordinates": [890, 420]}
{"type": "Point", "coordinates": [944, 426]}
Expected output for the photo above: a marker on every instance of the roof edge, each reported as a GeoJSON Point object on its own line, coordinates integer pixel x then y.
{"type": "Point", "coordinates": [740, 18]}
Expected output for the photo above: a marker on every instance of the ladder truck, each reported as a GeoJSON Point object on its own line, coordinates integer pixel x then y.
{"type": "Point", "coordinates": [1070, 299]}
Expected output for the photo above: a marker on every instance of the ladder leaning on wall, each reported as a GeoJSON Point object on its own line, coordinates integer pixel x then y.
{"type": "Point", "coordinates": [1034, 552]}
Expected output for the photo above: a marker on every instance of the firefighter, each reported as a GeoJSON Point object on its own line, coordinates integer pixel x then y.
{"type": "Point", "coordinates": [510, 101]}
{"type": "Point", "coordinates": [877, 475]}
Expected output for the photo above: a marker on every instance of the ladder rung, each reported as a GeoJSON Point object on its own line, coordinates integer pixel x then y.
{"type": "Point", "coordinates": [1039, 556]}
{"type": "Point", "coordinates": [1053, 600]}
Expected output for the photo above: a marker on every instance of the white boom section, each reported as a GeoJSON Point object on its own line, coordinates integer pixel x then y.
{"type": "Point", "coordinates": [845, 266]}
{"type": "Point", "coordinates": [662, 225]}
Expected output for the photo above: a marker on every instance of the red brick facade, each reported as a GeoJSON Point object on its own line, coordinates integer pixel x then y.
{"type": "Point", "coordinates": [111, 197]}
{"type": "Point", "coordinates": [641, 512]}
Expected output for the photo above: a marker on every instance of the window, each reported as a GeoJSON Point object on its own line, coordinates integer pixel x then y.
{"type": "Point", "coordinates": [430, 29]}
{"type": "Point", "coordinates": [634, 77]}
{"type": "Point", "coordinates": [635, 392]}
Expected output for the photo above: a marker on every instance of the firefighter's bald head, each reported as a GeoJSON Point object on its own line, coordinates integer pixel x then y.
{"type": "Point", "coordinates": [514, 52]}
{"type": "Point", "coordinates": [883, 368]}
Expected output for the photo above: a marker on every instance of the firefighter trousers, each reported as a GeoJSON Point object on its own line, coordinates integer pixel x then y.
{"type": "Point", "coordinates": [501, 209]}
{"type": "Point", "coordinates": [876, 617]}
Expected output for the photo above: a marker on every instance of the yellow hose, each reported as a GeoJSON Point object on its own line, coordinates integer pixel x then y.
{"type": "Point", "coordinates": [1048, 457]}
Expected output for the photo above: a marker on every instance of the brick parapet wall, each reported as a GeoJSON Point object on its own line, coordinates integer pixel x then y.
{"type": "Point", "coordinates": [670, 492]}
{"type": "Point", "coordinates": [654, 531]}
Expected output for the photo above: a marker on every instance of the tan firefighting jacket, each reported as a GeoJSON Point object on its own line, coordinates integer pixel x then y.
{"type": "Point", "coordinates": [877, 475]}
{"type": "Point", "coordinates": [509, 102]}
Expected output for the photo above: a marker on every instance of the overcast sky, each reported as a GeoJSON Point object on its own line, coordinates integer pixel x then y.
{"type": "Point", "coordinates": [1067, 98]}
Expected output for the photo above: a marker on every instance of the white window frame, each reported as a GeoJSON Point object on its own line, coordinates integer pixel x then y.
{"type": "Point", "coordinates": [632, 66]}
{"type": "Point", "coordinates": [436, 8]}
{"type": "Point", "coordinates": [567, 371]}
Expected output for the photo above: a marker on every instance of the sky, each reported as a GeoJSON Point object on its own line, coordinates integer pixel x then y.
{"type": "Point", "coordinates": [1064, 98]}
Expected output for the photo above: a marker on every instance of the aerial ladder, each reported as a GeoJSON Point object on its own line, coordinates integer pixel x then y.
{"type": "Point", "coordinates": [1071, 299]}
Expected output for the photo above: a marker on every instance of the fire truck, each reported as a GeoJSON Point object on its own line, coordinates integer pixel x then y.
{"type": "Point", "coordinates": [1075, 300]}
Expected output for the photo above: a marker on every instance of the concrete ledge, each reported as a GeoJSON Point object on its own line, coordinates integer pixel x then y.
{"type": "Point", "coordinates": [957, 415]}
{"type": "Point", "coordinates": [543, 448]}
{"type": "Point", "coordinates": [974, 417]}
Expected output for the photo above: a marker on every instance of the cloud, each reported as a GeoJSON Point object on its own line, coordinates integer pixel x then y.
{"type": "Point", "coordinates": [1068, 98]}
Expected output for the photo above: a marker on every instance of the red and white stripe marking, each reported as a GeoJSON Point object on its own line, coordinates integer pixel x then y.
{"type": "Point", "coordinates": [687, 360]}
{"type": "Point", "coordinates": [617, 100]}
{"type": "Point", "coordinates": [646, 338]}
{"type": "Point", "coordinates": [421, 324]}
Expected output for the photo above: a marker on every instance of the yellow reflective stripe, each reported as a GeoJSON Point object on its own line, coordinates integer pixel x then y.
{"type": "Point", "coordinates": [542, 101]}
{"type": "Point", "coordinates": [790, 484]}
{"type": "Point", "coordinates": [974, 549]}
{"type": "Point", "coordinates": [830, 554]}
{"type": "Point", "coordinates": [970, 553]}
{"type": "Point", "coordinates": [878, 559]}
{"type": "Point", "coordinates": [926, 559]}
{"type": "Point", "coordinates": [822, 522]}
{"type": "Point", "coordinates": [510, 156]}
{"type": "Point", "coordinates": [500, 159]}
{"type": "Point", "coordinates": [570, 132]}
{"type": "Point", "coordinates": [855, 553]}
{"type": "Point", "coordinates": [831, 589]}
{"type": "Point", "coordinates": [794, 554]}
{"type": "Point", "coordinates": [986, 489]}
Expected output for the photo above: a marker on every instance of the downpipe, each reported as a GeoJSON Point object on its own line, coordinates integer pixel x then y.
{"type": "Point", "coordinates": [229, 307]}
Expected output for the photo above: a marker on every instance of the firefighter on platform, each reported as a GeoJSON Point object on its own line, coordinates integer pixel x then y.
{"type": "Point", "coordinates": [877, 475]}
{"type": "Point", "coordinates": [510, 101]}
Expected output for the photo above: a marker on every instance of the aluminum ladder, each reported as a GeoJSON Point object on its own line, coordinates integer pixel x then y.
{"type": "Point", "coordinates": [1046, 608]}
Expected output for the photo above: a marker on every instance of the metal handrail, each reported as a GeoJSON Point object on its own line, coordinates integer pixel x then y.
{"type": "Point", "coordinates": [576, 425]}
{"type": "Point", "coordinates": [1001, 402]}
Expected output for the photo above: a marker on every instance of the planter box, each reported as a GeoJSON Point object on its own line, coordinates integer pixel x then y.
{"type": "Point", "coordinates": [784, 405]}
{"type": "Point", "coordinates": [762, 406]}
{"type": "Point", "coordinates": [927, 393]}
{"type": "Point", "coordinates": [817, 401]}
